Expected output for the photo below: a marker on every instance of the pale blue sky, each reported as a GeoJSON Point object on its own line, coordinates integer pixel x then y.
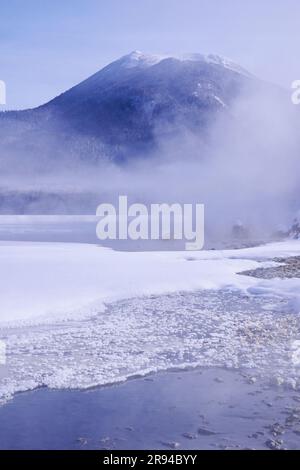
{"type": "Point", "coordinates": [46, 46]}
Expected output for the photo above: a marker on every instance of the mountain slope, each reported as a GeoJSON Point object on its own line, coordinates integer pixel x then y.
{"type": "Point", "coordinates": [122, 109]}
{"type": "Point", "coordinates": [128, 101]}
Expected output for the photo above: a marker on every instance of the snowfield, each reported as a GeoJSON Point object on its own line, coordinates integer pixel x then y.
{"type": "Point", "coordinates": [50, 281]}
{"type": "Point", "coordinates": [78, 316]}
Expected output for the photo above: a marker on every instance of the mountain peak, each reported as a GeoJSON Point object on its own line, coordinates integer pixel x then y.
{"type": "Point", "coordinates": [124, 109]}
{"type": "Point", "coordinates": [138, 59]}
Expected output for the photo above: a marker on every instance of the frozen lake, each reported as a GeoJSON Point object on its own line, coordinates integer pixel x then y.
{"type": "Point", "coordinates": [76, 316]}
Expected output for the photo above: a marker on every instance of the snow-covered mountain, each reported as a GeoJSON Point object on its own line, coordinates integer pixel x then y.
{"type": "Point", "coordinates": [121, 110]}
{"type": "Point", "coordinates": [131, 100]}
{"type": "Point", "coordinates": [188, 109]}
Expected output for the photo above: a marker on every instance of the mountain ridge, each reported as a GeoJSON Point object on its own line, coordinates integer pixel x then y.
{"type": "Point", "coordinates": [121, 111]}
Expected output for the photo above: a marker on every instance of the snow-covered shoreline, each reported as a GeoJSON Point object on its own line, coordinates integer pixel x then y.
{"type": "Point", "coordinates": [44, 282]}
{"type": "Point", "coordinates": [143, 312]}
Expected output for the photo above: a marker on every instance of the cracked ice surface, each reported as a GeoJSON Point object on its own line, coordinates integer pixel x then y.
{"type": "Point", "coordinates": [147, 334]}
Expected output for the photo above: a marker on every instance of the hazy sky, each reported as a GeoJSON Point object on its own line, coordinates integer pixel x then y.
{"type": "Point", "coordinates": [46, 46]}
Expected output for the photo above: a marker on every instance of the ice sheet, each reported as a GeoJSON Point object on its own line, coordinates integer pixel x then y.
{"type": "Point", "coordinates": [50, 281]}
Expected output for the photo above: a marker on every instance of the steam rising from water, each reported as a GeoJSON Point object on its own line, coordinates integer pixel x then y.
{"type": "Point", "coordinates": [246, 168]}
